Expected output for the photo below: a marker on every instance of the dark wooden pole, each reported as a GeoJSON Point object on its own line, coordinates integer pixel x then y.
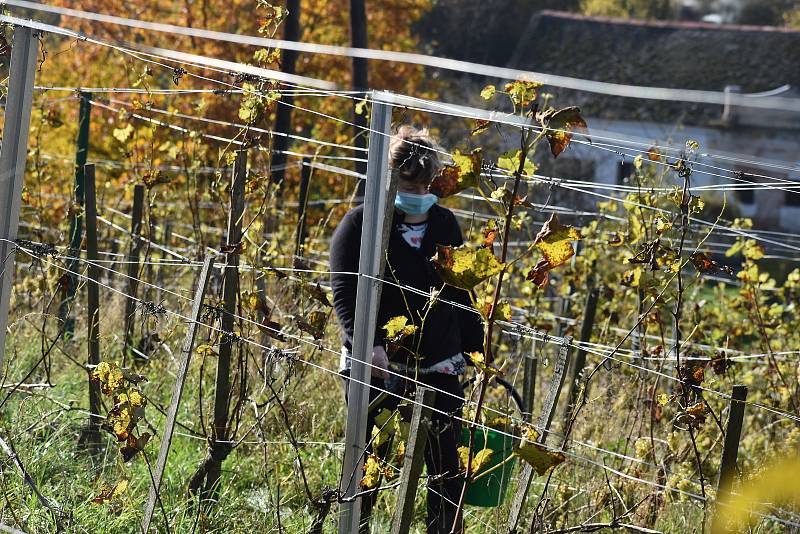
{"type": "Point", "coordinates": [358, 39]}
{"type": "Point", "coordinates": [230, 291]}
{"type": "Point", "coordinates": [530, 365]}
{"type": "Point", "coordinates": [413, 460]}
{"type": "Point", "coordinates": [579, 363]}
{"type": "Point", "coordinates": [302, 205]}
{"type": "Point", "coordinates": [133, 264]}
{"type": "Point", "coordinates": [283, 114]}
{"type": "Point", "coordinates": [730, 450]}
{"type": "Point", "coordinates": [91, 435]}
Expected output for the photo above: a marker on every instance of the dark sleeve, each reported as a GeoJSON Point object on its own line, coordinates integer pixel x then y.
{"type": "Point", "coordinates": [345, 248]}
{"type": "Point", "coordinates": [470, 320]}
{"type": "Point", "coordinates": [344, 257]}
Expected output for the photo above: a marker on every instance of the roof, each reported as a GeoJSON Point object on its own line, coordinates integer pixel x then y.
{"type": "Point", "coordinates": [674, 54]}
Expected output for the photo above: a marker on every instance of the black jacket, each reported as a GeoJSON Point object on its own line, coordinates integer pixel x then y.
{"type": "Point", "coordinates": [447, 330]}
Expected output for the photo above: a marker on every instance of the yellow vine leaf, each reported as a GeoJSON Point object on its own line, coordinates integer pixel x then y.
{"type": "Point", "coordinates": [372, 472]}
{"type": "Point", "coordinates": [554, 241]}
{"type": "Point", "coordinates": [465, 267]}
{"type": "Point", "coordinates": [398, 327]}
{"type": "Point", "coordinates": [540, 458]}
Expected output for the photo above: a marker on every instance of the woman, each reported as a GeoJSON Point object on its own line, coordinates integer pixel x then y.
{"type": "Point", "coordinates": [434, 354]}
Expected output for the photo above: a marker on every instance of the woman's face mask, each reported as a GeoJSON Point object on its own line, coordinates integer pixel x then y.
{"type": "Point", "coordinates": [414, 203]}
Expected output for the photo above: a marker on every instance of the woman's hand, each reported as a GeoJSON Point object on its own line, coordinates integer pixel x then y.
{"type": "Point", "coordinates": [380, 363]}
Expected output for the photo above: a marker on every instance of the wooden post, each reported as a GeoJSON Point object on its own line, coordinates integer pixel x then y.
{"type": "Point", "coordinates": [219, 448]}
{"type": "Point", "coordinates": [530, 366]}
{"type": "Point", "coordinates": [730, 451]}
{"type": "Point", "coordinates": [91, 435]}
{"type": "Point", "coordinates": [166, 239]}
{"type": "Point", "coordinates": [302, 231]}
{"type": "Point", "coordinates": [16, 127]}
{"type": "Point", "coordinates": [543, 425]}
{"type": "Point", "coordinates": [283, 113]}
{"type": "Point", "coordinates": [378, 206]}
{"type": "Point", "coordinates": [579, 363]}
{"type": "Point", "coordinates": [413, 460]}
{"type": "Point", "coordinates": [133, 265]}
{"type": "Point", "coordinates": [76, 221]}
{"type": "Point", "coordinates": [360, 80]}
{"type": "Point", "coordinates": [186, 354]}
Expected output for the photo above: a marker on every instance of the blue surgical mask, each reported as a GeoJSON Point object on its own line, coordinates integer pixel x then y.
{"type": "Point", "coordinates": [414, 204]}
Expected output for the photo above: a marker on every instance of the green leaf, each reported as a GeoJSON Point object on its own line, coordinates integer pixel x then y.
{"type": "Point", "coordinates": [510, 161]}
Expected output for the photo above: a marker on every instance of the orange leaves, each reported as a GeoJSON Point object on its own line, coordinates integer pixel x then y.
{"type": "Point", "coordinates": [554, 242]}
{"type": "Point", "coordinates": [560, 126]}
{"type": "Point", "coordinates": [704, 264]}
{"type": "Point", "coordinates": [463, 174]}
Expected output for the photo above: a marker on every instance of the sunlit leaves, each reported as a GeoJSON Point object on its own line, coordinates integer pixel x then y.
{"type": "Point", "coordinates": [490, 232]}
{"type": "Point", "coordinates": [522, 92]}
{"type": "Point", "coordinates": [481, 125]}
{"type": "Point", "coordinates": [501, 312]}
{"type": "Point", "coordinates": [560, 126]}
{"type": "Point", "coordinates": [463, 174]}
{"type": "Point", "coordinates": [253, 105]}
{"type": "Point", "coordinates": [554, 241]}
{"type": "Point", "coordinates": [108, 494]}
{"type": "Point", "coordinates": [488, 92]}
{"type": "Point", "coordinates": [398, 328]}
{"type": "Point", "coordinates": [109, 376]}
{"type": "Point", "coordinates": [372, 472]}
{"type": "Point", "coordinates": [122, 134]}
{"type": "Point", "coordinates": [479, 361]}
{"type": "Point", "coordinates": [465, 267]}
{"type": "Point", "coordinates": [480, 459]}
{"type": "Point", "coordinates": [205, 350]}
{"type": "Point", "coordinates": [510, 161]}
{"type": "Point", "coordinates": [541, 459]}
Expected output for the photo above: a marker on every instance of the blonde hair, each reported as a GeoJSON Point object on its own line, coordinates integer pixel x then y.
{"type": "Point", "coordinates": [413, 155]}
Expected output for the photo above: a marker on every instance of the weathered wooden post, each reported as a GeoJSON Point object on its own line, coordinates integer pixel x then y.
{"type": "Point", "coordinates": [378, 203]}
{"type": "Point", "coordinates": [134, 250]}
{"type": "Point", "coordinates": [302, 205]}
{"type": "Point", "coordinates": [543, 425]}
{"type": "Point", "coordinates": [16, 127]}
{"type": "Point", "coordinates": [219, 448]}
{"type": "Point", "coordinates": [76, 221]}
{"type": "Point", "coordinates": [91, 435]}
{"type": "Point", "coordinates": [413, 460]}
{"type": "Point", "coordinates": [730, 450]}
{"type": "Point", "coordinates": [529, 368]}
{"type": "Point", "coordinates": [169, 426]}
{"type": "Point", "coordinates": [579, 363]}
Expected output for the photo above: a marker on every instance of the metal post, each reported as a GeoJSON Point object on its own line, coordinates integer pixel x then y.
{"type": "Point", "coordinates": [22, 73]}
{"type": "Point", "coordinates": [413, 460]}
{"type": "Point", "coordinates": [370, 266]}
{"type": "Point", "coordinates": [76, 222]}
{"type": "Point", "coordinates": [730, 451]}
{"type": "Point", "coordinates": [177, 391]}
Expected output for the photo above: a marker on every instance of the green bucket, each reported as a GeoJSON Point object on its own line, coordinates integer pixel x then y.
{"type": "Point", "coordinates": [490, 490]}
